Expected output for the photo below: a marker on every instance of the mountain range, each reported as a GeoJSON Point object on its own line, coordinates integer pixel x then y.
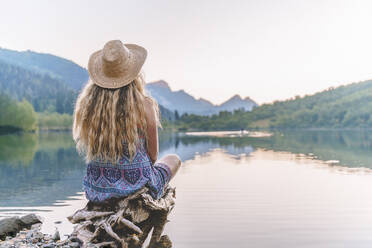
{"type": "Point", "coordinates": [51, 83]}
{"type": "Point", "coordinates": [186, 103]}
{"type": "Point", "coordinates": [56, 67]}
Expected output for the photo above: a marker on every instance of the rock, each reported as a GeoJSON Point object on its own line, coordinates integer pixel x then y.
{"type": "Point", "coordinates": [74, 245]}
{"type": "Point", "coordinates": [37, 237]}
{"type": "Point", "coordinates": [30, 219]}
{"type": "Point", "coordinates": [61, 243]}
{"type": "Point", "coordinates": [56, 236]}
{"type": "Point", "coordinates": [122, 222]}
{"type": "Point", "coordinates": [73, 238]}
{"type": "Point", "coordinates": [36, 226]}
{"type": "Point", "coordinates": [10, 227]}
{"type": "Point", "coordinates": [51, 245]}
{"type": "Point", "coordinates": [47, 237]}
{"type": "Point", "coordinates": [29, 234]}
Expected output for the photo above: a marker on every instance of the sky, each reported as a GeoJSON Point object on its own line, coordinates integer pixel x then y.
{"type": "Point", "coordinates": [263, 49]}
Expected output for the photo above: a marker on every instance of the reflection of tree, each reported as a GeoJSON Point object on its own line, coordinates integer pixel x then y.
{"type": "Point", "coordinates": [51, 176]}
{"type": "Point", "coordinates": [17, 149]}
{"type": "Point", "coordinates": [52, 171]}
{"type": "Point", "coordinates": [20, 149]}
{"type": "Point", "coordinates": [55, 140]}
{"type": "Point", "coordinates": [351, 148]}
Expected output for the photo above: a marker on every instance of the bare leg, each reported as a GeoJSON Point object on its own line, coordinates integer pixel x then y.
{"type": "Point", "coordinates": [173, 162]}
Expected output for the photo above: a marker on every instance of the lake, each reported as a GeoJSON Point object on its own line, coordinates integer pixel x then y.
{"type": "Point", "coordinates": [291, 189]}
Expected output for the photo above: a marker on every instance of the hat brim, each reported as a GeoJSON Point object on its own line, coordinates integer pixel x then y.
{"type": "Point", "coordinates": [136, 60]}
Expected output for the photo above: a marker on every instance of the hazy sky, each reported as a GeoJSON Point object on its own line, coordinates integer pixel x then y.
{"type": "Point", "coordinates": [264, 49]}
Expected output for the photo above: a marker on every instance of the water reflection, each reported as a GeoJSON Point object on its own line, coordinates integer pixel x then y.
{"type": "Point", "coordinates": [17, 149]}
{"type": "Point", "coordinates": [39, 169]}
{"type": "Point", "coordinates": [351, 148]}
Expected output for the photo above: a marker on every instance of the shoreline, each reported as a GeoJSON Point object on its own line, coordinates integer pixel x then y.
{"type": "Point", "coordinates": [207, 132]}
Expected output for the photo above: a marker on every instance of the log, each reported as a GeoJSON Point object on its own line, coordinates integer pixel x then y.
{"type": "Point", "coordinates": [124, 222]}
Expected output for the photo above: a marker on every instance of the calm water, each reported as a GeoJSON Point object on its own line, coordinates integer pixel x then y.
{"type": "Point", "coordinates": [295, 189]}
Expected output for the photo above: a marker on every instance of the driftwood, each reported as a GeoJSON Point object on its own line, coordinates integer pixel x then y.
{"type": "Point", "coordinates": [124, 222]}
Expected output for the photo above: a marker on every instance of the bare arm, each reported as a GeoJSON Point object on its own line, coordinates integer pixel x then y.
{"type": "Point", "coordinates": [152, 131]}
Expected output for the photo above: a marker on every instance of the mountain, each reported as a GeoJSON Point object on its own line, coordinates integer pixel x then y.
{"type": "Point", "coordinates": [56, 67]}
{"type": "Point", "coordinates": [166, 114]}
{"type": "Point", "coordinates": [51, 83]}
{"type": "Point", "coordinates": [48, 82]}
{"type": "Point", "coordinates": [43, 91]}
{"type": "Point", "coordinates": [185, 103]}
{"type": "Point", "coordinates": [177, 100]}
{"type": "Point", "coordinates": [236, 102]}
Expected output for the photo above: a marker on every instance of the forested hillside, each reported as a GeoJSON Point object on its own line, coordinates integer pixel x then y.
{"type": "Point", "coordinates": [347, 106]}
{"type": "Point", "coordinates": [65, 70]}
{"type": "Point", "coordinates": [342, 107]}
{"type": "Point", "coordinates": [44, 92]}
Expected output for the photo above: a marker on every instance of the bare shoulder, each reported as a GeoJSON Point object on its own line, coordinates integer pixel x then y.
{"type": "Point", "coordinates": [149, 109]}
{"type": "Point", "coordinates": [149, 105]}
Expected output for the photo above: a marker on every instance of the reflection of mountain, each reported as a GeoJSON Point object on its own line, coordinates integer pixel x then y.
{"type": "Point", "coordinates": [51, 176]}
{"type": "Point", "coordinates": [188, 146]}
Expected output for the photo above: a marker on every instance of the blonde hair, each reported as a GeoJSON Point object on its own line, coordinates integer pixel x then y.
{"type": "Point", "coordinates": [109, 122]}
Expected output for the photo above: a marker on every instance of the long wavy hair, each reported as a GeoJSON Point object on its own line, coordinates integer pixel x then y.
{"type": "Point", "coordinates": [109, 122]}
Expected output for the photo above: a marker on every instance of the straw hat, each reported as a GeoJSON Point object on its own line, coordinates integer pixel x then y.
{"type": "Point", "coordinates": [116, 65]}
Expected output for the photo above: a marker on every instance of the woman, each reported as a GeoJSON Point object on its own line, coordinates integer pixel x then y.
{"type": "Point", "coordinates": [115, 127]}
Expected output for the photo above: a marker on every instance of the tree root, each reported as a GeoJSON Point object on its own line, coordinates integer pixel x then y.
{"type": "Point", "coordinates": [124, 222]}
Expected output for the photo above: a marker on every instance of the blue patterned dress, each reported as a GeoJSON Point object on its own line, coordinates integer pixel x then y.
{"type": "Point", "coordinates": [106, 180]}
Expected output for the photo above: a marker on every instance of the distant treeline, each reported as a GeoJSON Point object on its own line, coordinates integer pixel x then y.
{"type": "Point", "coordinates": [54, 121]}
{"type": "Point", "coordinates": [16, 115]}
{"type": "Point", "coordinates": [21, 116]}
{"type": "Point", "coordinates": [342, 107]}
